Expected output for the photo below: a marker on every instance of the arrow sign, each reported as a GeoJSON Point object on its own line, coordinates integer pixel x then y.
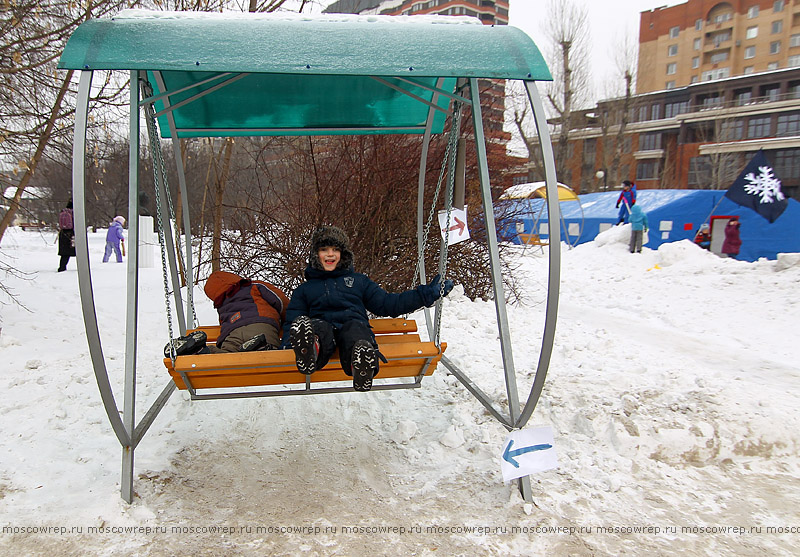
{"type": "Point", "coordinates": [535, 452]}
{"type": "Point", "coordinates": [508, 454]}
{"type": "Point", "coordinates": [457, 230]}
{"type": "Point", "coordinates": [460, 226]}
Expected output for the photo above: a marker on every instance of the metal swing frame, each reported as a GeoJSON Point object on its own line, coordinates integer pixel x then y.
{"type": "Point", "coordinates": [500, 52]}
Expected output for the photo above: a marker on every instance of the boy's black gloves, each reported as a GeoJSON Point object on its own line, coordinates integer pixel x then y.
{"type": "Point", "coordinates": [430, 292]}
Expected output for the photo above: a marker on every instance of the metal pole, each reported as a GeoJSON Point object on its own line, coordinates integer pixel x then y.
{"type": "Point", "coordinates": [497, 277]}
{"type": "Point", "coordinates": [423, 167]}
{"type": "Point", "coordinates": [554, 274]}
{"type": "Point", "coordinates": [131, 321]}
{"type": "Point", "coordinates": [82, 258]}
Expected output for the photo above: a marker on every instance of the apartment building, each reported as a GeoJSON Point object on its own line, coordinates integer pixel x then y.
{"type": "Point", "coordinates": [703, 40]}
{"type": "Point", "coordinates": [698, 136]}
{"type": "Point", "coordinates": [490, 12]}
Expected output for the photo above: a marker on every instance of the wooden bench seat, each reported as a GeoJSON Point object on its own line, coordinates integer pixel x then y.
{"type": "Point", "coordinates": [407, 357]}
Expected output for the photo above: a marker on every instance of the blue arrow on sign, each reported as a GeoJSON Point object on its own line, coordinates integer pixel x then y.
{"type": "Point", "coordinates": [508, 454]}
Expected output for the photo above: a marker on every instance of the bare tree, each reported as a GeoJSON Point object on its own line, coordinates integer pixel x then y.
{"type": "Point", "coordinates": [568, 33]}
{"type": "Point", "coordinates": [34, 111]}
{"type": "Point", "coordinates": [567, 54]}
{"type": "Point", "coordinates": [614, 115]}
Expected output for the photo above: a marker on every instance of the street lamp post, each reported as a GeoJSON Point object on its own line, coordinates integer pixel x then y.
{"type": "Point", "coordinates": [601, 175]}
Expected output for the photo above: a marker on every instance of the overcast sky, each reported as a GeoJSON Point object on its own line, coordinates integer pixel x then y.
{"type": "Point", "coordinates": [608, 19]}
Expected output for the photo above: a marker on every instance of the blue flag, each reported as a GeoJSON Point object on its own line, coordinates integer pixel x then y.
{"type": "Point", "coordinates": [759, 189]}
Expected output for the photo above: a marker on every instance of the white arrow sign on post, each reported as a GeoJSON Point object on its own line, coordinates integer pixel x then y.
{"type": "Point", "coordinates": [458, 225]}
{"type": "Point", "coordinates": [528, 451]}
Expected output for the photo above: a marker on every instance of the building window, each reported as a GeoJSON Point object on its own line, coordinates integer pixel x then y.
{"type": "Point", "coordinates": [770, 92]}
{"type": "Point", "coordinates": [750, 69]}
{"type": "Point", "coordinates": [641, 115]}
{"type": "Point", "coordinates": [794, 40]}
{"type": "Point", "coordinates": [716, 74]}
{"type": "Point", "coordinates": [787, 163]}
{"type": "Point", "coordinates": [627, 145]}
{"type": "Point", "coordinates": [695, 62]}
{"type": "Point", "coordinates": [793, 61]}
{"type": "Point", "coordinates": [673, 109]}
{"type": "Point", "coordinates": [711, 101]}
{"type": "Point", "coordinates": [749, 52]}
{"type": "Point", "coordinates": [673, 32]}
{"type": "Point", "coordinates": [777, 6]}
{"type": "Point", "coordinates": [758, 127]}
{"type": "Point", "coordinates": [731, 130]}
{"type": "Point", "coordinates": [649, 141]}
{"type": "Point", "coordinates": [698, 24]}
{"type": "Point", "coordinates": [777, 27]}
{"type": "Point", "coordinates": [672, 68]}
{"type": "Point", "coordinates": [752, 12]}
{"type": "Point", "coordinates": [751, 33]}
{"type": "Point", "coordinates": [655, 112]}
{"type": "Point", "coordinates": [788, 124]}
{"type": "Point", "coordinates": [699, 171]}
{"type": "Point", "coordinates": [669, 85]}
{"type": "Point", "coordinates": [793, 91]}
{"type": "Point", "coordinates": [589, 150]}
{"type": "Point", "coordinates": [772, 66]}
{"type": "Point", "coordinates": [718, 57]}
{"type": "Point", "coordinates": [697, 44]}
{"type": "Point", "coordinates": [647, 170]}
{"type": "Point", "coordinates": [774, 47]}
{"type": "Point", "coordinates": [672, 50]}
{"type": "Point", "coordinates": [742, 96]}
{"type": "Point", "coordinates": [719, 18]}
{"type": "Point", "coordinates": [720, 38]}
{"type": "Point", "coordinates": [695, 79]}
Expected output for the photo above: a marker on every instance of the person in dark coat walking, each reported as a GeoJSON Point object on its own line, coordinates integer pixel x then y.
{"type": "Point", "coordinates": [66, 236]}
{"type": "Point", "coordinates": [733, 241]}
{"type": "Point", "coordinates": [329, 310]}
{"type": "Point", "coordinates": [251, 314]}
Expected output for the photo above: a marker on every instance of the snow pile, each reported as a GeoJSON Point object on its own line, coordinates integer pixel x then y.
{"type": "Point", "coordinates": [672, 393]}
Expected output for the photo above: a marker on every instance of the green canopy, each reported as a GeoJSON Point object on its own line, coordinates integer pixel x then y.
{"type": "Point", "coordinates": [288, 74]}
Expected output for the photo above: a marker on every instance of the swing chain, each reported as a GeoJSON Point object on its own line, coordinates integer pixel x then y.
{"type": "Point", "coordinates": [147, 91]}
{"type": "Point", "coordinates": [426, 230]}
{"type": "Point", "coordinates": [450, 157]}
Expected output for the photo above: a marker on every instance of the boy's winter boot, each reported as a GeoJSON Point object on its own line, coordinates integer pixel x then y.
{"type": "Point", "coordinates": [193, 343]}
{"type": "Point", "coordinates": [304, 344]}
{"type": "Point", "coordinates": [364, 365]}
{"type": "Point", "coordinates": [258, 342]}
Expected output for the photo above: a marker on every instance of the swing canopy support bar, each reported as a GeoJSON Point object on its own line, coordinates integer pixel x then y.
{"type": "Point", "coordinates": [233, 75]}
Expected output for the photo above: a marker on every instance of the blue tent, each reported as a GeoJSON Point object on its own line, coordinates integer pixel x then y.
{"type": "Point", "coordinates": [673, 215]}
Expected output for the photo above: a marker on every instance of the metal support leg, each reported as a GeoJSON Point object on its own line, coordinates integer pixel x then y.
{"type": "Point", "coordinates": [497, 277]}
{"type": "Point", "coordinates": [131, 325]}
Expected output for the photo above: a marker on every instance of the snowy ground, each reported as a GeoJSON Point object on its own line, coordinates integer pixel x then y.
{"type": "Point", "coordinates": [673, 395]}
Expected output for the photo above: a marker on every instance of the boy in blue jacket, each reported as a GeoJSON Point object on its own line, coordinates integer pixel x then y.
{"type": "Point", "coordinates": [330, 310]}
{"type": "Point", "coordinates": [639, 226]}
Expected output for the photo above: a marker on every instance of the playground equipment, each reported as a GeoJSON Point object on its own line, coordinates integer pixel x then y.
{"type": "Point", "coordinates": [222, 75]}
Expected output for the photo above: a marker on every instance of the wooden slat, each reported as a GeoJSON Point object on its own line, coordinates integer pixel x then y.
{"type": "Point", "coordinates": [277, 367]}
{"type": "Point", "coordinates": [379, 327]}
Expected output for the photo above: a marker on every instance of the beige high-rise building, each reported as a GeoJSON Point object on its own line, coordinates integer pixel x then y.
{"type": "Point", "coordinates": [703, 40]}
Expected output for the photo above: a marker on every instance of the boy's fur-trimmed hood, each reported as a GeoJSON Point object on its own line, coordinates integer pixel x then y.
{"type": "Point", "coordinates": [330, 236]}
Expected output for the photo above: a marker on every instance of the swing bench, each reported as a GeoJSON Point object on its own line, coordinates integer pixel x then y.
{"type": "Point", "coordinates": [406, 356]}
{"type": "Point", "coordinates": [257, 75]}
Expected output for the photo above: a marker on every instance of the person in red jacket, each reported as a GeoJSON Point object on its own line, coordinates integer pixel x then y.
{"type": "Point", "coordinates": [251, 314]}
{"type": "Point", "coordinates": [626, 200]}
{"type": "Point", "coordinates": [733, 241]}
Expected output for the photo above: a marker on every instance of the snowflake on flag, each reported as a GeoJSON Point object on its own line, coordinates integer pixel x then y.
{"type": "Point", "coordinates": [765, 185]}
